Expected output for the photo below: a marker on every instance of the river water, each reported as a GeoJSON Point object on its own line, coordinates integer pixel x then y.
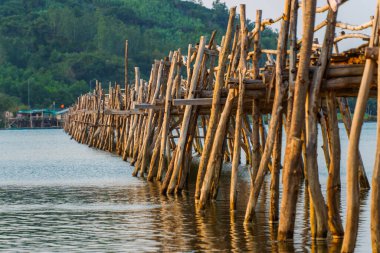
{"type": "Point", "coordinates": [60, 196]}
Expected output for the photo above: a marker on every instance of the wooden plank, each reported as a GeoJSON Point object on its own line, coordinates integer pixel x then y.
{"type": "Point", "coordinates": [207, 51]}
{"type": "Point", "coordinates": [344, 83]}
{"type": "Point", "coordinates": [194, 101]}
{"type": "Point", "coordinates": [146, 106]}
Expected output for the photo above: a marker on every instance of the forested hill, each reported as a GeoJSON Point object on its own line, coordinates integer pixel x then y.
{"type": "Point", "coordinates": [59, 47]}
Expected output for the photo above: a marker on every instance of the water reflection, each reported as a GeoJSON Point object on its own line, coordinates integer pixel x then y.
{"type": "Point", "coordinates": [88, 201]}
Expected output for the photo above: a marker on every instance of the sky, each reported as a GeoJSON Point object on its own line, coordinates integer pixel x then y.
{"type": "Point", "coordinates": [354, 12]}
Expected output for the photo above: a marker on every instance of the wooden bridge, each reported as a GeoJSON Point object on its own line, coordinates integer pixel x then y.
{"type": "Point", "coordinates": [215, 100]}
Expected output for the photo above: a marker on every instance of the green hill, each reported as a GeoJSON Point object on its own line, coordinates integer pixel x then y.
{"type": "Point", "coordinates": [59, 47]}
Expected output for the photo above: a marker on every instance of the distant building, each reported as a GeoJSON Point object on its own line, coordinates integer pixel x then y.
{"type": "Point", "coordinates": [37, 118]}
{"type": "Point", "coordinates": [8, 115]}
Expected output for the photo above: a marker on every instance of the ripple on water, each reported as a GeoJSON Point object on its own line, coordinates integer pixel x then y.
{"type": "Point", "coordinates": [60, 196]}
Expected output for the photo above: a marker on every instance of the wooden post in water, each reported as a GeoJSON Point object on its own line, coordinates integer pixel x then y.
{"type": "Point", "coordinates": [255, 138]}
{"type": "Point", "coordinates": [347, 121]}
{"type": "Point", "coordinates": [135, 118]}
{"type": "Point", "coordinates": [275, 176]}
{"type": "Point", "coordinates": [157, 84]}
{"type": "Point", "coordinates": [186, 118]}
{"type": "Point", "coordinates": [215, 109]}
{"type": "Point", "coordinates": [293, 49]}
{"type": "Point", "coordinates": [352, 217]}
{"type": "Point", "coordinates": [375, 195]}
{"type": "Point", "coordinates": [333, 182]}
{"type": "Point", "coordinates": [165, 125]}
{"type": "Point", "coordinates": [126, 67]}
{"type": "Point", "coordinates": [293, 143]}
{"type": "Point", "coordinates": [239, 112]}
{"type": "Point", "coordinates": [276, 112]}
{"type": "Point", "coordinates": [216, 151]}
{"type": "Point", "coordinates": [312, 104]}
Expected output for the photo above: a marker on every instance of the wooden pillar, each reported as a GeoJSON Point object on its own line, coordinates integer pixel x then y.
{"type": "Point", "coordinates": [186, 117]}
{"type": "Point", "coordinates": [333, 182]}
{"type": "Point", "coordinates": [347, 121]}
{"type": "Point", "coordinates": [185, 167]}
{"type": "Point", "coordinates": [166, 120]}
{"type": "Point", "coordinates": [239, 112]}
{"type": "Point", "coordinates": [352, 217]}
{"type": "Point", "coordinates": [293, 48]}
{"type": "Point", "coordinates": [157, 73]}
{"type": "Point", "coordinates": [312, 106]}
{"type": "Point", "coordinates": [257, 46]}
{"type": "Point", "coordinates": [293, 144]}
{"type": "Point", "coordinates": [216, 151]}
{"type": "Point", "coordinates": [324, 130]}
{"type": "Point", "coordinates": [276, 112]}
{"type": "Point", "coordinates": [255, 140]}
{"type": "Point", "coordinates": [375, 195]}
{"type": "Point", "coordinates": [137, 133]}
{"type": "Point", "coordinates": [126, 67]}
{"type": "Point", "coordinates": [275, 176]}
{"type": "Point", "coordinates": [215, 109]}
{"type": "Point", "coordinates": [134, 121]}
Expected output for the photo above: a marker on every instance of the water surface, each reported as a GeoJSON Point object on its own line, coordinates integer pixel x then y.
{"type": "Point", "coordinates": [60, 196]}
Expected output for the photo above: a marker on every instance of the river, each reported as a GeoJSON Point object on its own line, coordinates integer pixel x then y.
{"type": "Point", "coordinates": [60, 196]}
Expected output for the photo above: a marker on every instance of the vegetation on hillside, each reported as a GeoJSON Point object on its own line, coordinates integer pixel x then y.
{"type": "Point", "coordinates": [58, 48]}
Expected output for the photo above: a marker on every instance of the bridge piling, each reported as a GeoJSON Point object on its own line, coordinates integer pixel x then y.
{"type": "Point", "coordinates": [217, 112]}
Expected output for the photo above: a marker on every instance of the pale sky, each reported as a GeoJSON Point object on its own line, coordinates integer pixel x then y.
{"type": "Point", "coordinates": [354, 12]}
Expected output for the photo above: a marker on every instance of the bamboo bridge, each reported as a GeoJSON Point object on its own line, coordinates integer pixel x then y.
{"type": "Point", "coordinates": [212, 101]}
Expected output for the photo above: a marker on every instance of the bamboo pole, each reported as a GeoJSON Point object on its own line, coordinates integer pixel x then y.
{"type": "Point", "coordinates": [325, 145]}
{"type": "Point", "coordinates": [276, 112]}
{"type": "Point", "coordinates": [185, 167]}
{"type": "Point", "coordinates": [215, 109]}
{"type": "Point", "coordinates": [157, 84]}
{"type": "Point", "coordinates": [375, 195]}
{"type": "Point", "coordinates": [347, 121]}
{"type": "Point", "coordinates": [333, 182]}
{"type": "Point", "coordinates": [203, 83]}
{"type": "Point", "coordinates": [257, 46]}
{"type": "Point", "coordinates": [255, 138]}
{"type": "Point", "coordinates": [216, 151]}
{"type": "Point", "coordinates": [152, 166]}
{"type": "Point", "coordinates": [165, 125]}
{"type": "Point", "coordinates": [275, 176]}
{"type": "Point", "coordinates": [292, 60]}
{"type": "Point", "coordinates": [247, 140]}
{"type": "Point", "coordinates": [312, 130]}
{"type": "Point", "coordinates": [293, 144]}
{"type": "Point", "coordinates": [352, 216]}
{"type": "Point", "coordinates": [134, 121]}
{"type": "Point", "coordinates": [186, 117]}
{"type": "Point", "coordinates": [239, 112]}
{"type": "Point", "coordinates": [218, 171]}
{"type": "Point", "coordinates": [139, 129]}
{"type": "Point", "coordinates": [168, 175]}
{"type": "Point", "coordinates": [126, 67]}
